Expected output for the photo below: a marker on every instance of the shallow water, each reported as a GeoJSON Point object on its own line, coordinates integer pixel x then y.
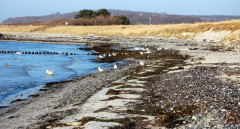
{"type": "Point", "coordinates": [26, 73]}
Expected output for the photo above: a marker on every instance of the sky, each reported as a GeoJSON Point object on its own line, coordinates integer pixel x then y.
{"type": "Point", "coordinates": [18, 8]}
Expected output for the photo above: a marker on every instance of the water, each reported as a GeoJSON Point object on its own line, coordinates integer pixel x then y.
{"type": "Point", "coordinates": [26, 73]}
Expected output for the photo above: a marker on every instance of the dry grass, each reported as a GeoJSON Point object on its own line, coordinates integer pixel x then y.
{"type": "Point", "coordinates": [183, 31]}
{"type": "Point", "coordinates": [166, 30]}
{"type": "Point", "coordinates": [233, 39]}
{"type": "Point", "coordinates": [22, 29]}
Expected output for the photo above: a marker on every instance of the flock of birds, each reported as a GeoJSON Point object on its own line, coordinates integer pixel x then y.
{"type": "Point", "coordinates": [101, 69]}
{"type": "Point", "coordinates": [142, 63]}
{"type": "Point", "coordinates": [104, 55]}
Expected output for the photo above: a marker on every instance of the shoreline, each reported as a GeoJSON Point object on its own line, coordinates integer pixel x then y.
{"type": "Point", "coordinates": [205, 54]}
{"type": "Point", "coordinates": [50, 86]}
{"type": "Point", "coordinates": [61, 89]}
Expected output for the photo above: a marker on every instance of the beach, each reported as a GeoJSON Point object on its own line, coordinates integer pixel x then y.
{"type": "Point", "coordinates": [185, 83]}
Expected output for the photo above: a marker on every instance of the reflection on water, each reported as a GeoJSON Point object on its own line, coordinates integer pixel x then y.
{"type": "Point", "coordinates": [49, 76]}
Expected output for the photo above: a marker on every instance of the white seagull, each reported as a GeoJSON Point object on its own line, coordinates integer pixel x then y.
{"type": "Point", "coordinates": [148, 51]}
{"type": "Point", "coordinates": [114, 54]}
{"type": "Point", "coordinates": [136, 48]}
{"type": "Point", "coordinates": [100, 69]}
{"type": "Point", "coordinates": [49, 72]}
{"type": "Point", "coordinates": [142, 63]}
{"type": "Point", "coordinates": [18, 53]}
{"type": "Point", "coordinates": [115, 66]}
{"type": "Point", "coordinates": [101, 57]}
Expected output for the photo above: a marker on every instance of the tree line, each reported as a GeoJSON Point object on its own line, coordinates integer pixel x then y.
{"type": "Point", "coordinates": [90, 14]}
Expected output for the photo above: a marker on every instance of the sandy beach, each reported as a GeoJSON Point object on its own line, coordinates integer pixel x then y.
{"type": "Point", "coordinates": [185, 83]}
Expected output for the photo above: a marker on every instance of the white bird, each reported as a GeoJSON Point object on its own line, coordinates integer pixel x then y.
{"type": "Point", "coordinates": [136, 48]}
{"type": "Point", "coordinates": [18, 53]}
{"type": "Point", "coordinates": [115, 66]}
{"type": "Point", "coordinates": [142, 63]}
{"type": "Point", "coordinates": [148, 51]}
{"type": "Point", "coordinates": [100, 69]}
{"type": "Point", "coordinates": [144, 49]}
{"type": "Point", "coordinates": [159, 49]}
{"type": "Point", "coordinates": [141, 53]}
{"type": "Point", "coordinates": [114, 54]}
{"type": "Point", "coordinates": [49, 72]}
{"type": "Point", "coordinates": [101, 57]}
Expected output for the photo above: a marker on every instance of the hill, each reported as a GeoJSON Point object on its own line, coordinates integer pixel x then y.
{"type": "Point", "coordinates": [136, 17]}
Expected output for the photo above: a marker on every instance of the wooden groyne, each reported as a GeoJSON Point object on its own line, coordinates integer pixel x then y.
{"type": "Point", "coordinates": [31, 52]}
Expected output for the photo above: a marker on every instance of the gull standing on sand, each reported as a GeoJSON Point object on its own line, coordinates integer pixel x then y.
{"type": "Point", "coordinates": [101, 57]}
{"type": "Point", "coordinates": [49, 72]}
{"type": "Point", "coordinates": [115, 66]}
{"type": "Point", "coordinates": [100, 69]}
{"type": "Point", "coordinates": [148, 52]}
{"type": "Point", "coordinates": [142, 63]}
{"type": "Point", "coordinates": [114, 54]}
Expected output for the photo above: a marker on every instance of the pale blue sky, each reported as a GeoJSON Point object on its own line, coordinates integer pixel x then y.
{"type": "Point", "coordinates": [15, 8]}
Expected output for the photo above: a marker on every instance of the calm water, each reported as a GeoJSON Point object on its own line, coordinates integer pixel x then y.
{"type": "Point", "coordinates": [27, 73]}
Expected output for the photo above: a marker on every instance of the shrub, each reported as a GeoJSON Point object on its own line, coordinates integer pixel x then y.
{"type": "Point", "coordinates": [102, 12]}
{"type": "Point", "coordinates": [86, 13]}
{"type": "Point", "coordinates": [125, 20]}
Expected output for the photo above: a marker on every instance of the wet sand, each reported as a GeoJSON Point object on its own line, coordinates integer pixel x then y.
{"type": "Point", "coordinates": [197, 87]}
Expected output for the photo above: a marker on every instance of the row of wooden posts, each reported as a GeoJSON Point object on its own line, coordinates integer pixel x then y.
{"type": "Point", "coordinates": [54, 53]}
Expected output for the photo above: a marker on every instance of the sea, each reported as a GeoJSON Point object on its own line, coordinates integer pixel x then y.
{"type": "Point", "coordinates": [26, 74]}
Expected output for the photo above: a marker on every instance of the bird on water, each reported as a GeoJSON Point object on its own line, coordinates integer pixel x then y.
{"type": "Point", "coordinates": [49, 72]}
{"type": "Point", "coordinates": [18, 53]}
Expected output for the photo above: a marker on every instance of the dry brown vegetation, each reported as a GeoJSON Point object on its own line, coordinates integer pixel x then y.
{"type": "Point", "coordinates": [23, 29]}
{"type": "Point", "coordinates": [99, 20]}
{"type": "Point", "coordinates": [183, 31]}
